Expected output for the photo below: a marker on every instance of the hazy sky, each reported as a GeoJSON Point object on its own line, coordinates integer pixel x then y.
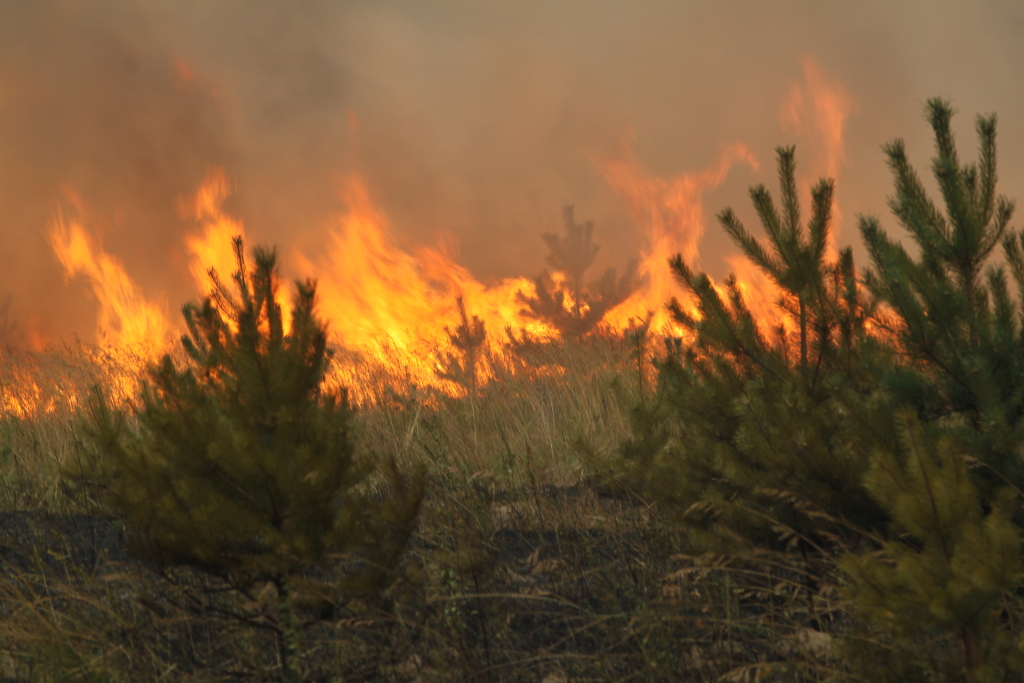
{"type": "Point", "coordinates": [475, 118]}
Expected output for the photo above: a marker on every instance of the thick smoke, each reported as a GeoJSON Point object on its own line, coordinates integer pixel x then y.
{"type": "Point", "coordinates": [477, 120]}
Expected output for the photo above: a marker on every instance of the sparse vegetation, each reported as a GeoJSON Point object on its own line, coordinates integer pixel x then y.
{"type": "Point", "coordinates": [836, 499]}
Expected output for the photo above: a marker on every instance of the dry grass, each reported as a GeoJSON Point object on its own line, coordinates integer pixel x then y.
{"type": "Point", "coordinates": [40, 395]}
{"type": "Point", "coordinates": [529, 420]}
{"type": "Point", "coordinates": [519, 571]}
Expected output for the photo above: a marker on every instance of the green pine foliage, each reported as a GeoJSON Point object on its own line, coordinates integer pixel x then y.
{"type": "Point", "coordinates": [795, 410]}
{"type": "Point", "coordinates": [950, 565]}
{"type": "Point", "coordinates": [573, 307]}
{"type": "Point", "coordinates": [764, 436]}
{"type": "Point", "coordinates": [957, 322]}
{"type": "Point", "coordinates": [464, 362]}
{"type": "Point", "coordinates": [944, 572]}
{"type": "Point", "coordinates": [919, 361]}
{"type": "Point", "coordinates": [241, 463]}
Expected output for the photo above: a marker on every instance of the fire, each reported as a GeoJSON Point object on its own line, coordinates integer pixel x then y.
{"type": "Point", "coordinates": [20, 394]}
{"type": "Point", "coordinates": [126, 317]}
{"type": "Point", "coordinates": [817, 109]}
{"type": "Point", "coordinates": [373, 292]}
{"type": "Point", "coordinates": [129, 326]}
{"type": "Point", "coordinates": [378, 299]}
{"type": "Point", "coordinates": [397, 304]}
{"type": "Point", "coordinates": [672, 211]}
{"type": "Point", "coordinates": [210, 250]}
{"type": "Point", "coordinates": [760, 293]}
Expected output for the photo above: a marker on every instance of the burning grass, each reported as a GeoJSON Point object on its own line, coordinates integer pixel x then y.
{"type": "Point", "coordinates": [40, 394]}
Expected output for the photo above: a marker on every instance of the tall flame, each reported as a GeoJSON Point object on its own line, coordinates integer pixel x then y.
{"type": "Point", "coordinates": [210, 250]}
{"type": "Point", "coordinates": [125, 317]}
{"type": "Point", "coordinates": [761, 294]}
{"type": "Point", "coordinates": [372, 291]}
{"type": "Point", "coordinates": [128, 323]}
{"type": "Point", "coordinates": [817, 109]}
{"type": "Point", "coordinates": [672, 211]}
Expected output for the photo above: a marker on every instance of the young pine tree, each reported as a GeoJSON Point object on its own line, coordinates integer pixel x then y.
{"type": "Point", "coordinates": [765, 438]}
{"type": "Point", "coordinates": [464, 362]}
{"type": "Point", "coordinates": [572, 307]}
{"type": "Point", "coordinates": [944, 572]}
{"type": "Point", "coordinates": [955, 317]}
{"type": "Point", "coordinates": [241, 463]}
{"type": "Point", "coordinates": [951, 563]}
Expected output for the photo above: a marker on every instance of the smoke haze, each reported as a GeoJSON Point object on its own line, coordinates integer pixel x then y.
{"type": "Point", "coordinates": [473, 122]}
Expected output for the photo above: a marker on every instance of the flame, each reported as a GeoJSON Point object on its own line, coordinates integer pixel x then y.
{"type": "Point", "coordinates": [396, 303]}
{"type": "Point", "coordinates": [761, 295]}
{"type": "Point", "coordinates": [817, 109]}
{"type": "Point", "coordinates": [128, 325]}
{"type": "Point", "coordinates": [126, 317]}
{"type": "Point", "coordinates": [55, 382]}
{"type": "Point", "coordinates": [211, 250]}
{"type": "Point", "coordinates": [36, 337]}
{"type": "Point", "coordinates": [372, 292]}
{"type": "Point", "coordinates": [20, 393]}
{"type": "Point", "coordinates": [377, 298]}
{"type": "Point", "coordinates": [672, 211]}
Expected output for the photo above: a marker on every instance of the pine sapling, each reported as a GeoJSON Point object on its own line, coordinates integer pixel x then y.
{"type": "Point", "coordinates": [947, 565]}
{"type": "Point", "coordinates": [568, 304]}
{"type": "Point", "coordinates": [240, 463]}
{"type": "Point", "coordinates": [464, 363]}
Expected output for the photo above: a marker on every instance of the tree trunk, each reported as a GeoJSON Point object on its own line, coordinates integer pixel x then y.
{"type": "Point", "coordinates": [287, 633]}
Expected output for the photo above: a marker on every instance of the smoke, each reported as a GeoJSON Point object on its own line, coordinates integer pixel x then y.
{"type": "Point", "coordinates": [472, 122]}
{"type": "Point", "coordinates": [95, 122]}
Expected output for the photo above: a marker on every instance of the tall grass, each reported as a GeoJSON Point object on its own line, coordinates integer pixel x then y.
{"type": "Point", "coordinates": [519, 571]}
{"type": "Point", "coordinates": [532, 415]}
{"type": "Point", "coordinates": [40, 396]}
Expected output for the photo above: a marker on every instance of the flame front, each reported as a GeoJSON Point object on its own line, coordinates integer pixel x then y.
{"type": "Point", "coordinates": [372, 292]}
{"type": "Point", "coordinates": [761, 295]}
{"type": "Point", "coordinates": [397, 304]}
{"type": "Point", "coordinates": [210, 251]}
{"type": "Point", "coordinates": [132, 330]}
{"type": "Point", "coordinates": [672, 209]}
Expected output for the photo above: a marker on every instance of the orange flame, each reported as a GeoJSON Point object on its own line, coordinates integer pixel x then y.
{"type": "Point", "coordinates": [211, 250]}
{"type": "Point", "coordinates": [371, 291]}
{"type": "Point", "coordinates": [128, 322]}
{"type": "Point", "coordinates": [817, 110]}
{"type": "Point", "coordinates": [672, 211]}
{"type": "Point", "coordinates": [761, 294]}
{"type": "Point", "coordinates": [375, 294]}
{"type": "Point", "coordinates": [126, 317]}
{"type": "Point", "coordinates": [672, 208]}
